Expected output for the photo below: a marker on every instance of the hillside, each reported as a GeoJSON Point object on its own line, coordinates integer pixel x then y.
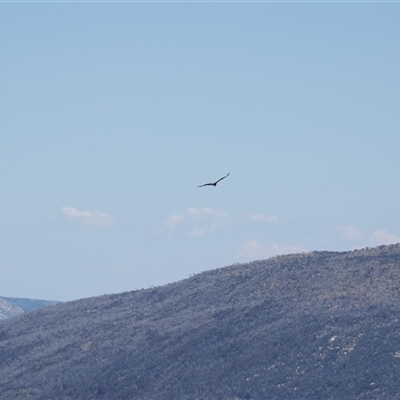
{"type": "Point", "coordinates": [10, 306]}
{"type": "Point", "coordinates": [321, 325]}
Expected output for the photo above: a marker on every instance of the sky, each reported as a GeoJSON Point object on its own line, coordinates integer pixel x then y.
{"type": "Point", "coordinates": [112, 113]}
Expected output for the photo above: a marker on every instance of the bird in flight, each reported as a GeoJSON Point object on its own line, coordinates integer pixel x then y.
{"type": "Point", "coordinates": [214, 183]}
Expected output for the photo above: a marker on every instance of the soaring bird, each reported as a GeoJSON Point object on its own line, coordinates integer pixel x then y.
{"type": "Point", "coordinates": [214, 183]}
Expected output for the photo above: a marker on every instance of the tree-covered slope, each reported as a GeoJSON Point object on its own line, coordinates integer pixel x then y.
{"type": "Point", "coordinates": [304, 326]}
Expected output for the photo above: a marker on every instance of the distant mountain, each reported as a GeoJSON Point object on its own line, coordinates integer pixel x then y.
{"type": "Point", "coordinates": [10, 306]}
{"type": "Point", "coordinates": [321, 325]}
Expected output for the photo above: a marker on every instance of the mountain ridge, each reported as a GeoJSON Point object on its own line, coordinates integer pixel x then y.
{"type": "Point", "coordinates": [11, 306]}
{"type": "Point", "coordinates": [309, 325]}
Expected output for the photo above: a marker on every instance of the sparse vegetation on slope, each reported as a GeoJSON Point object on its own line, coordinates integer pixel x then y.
{"type": "Point", "coordinates": [315, 325]}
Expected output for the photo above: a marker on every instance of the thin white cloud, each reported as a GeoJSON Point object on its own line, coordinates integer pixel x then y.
{"type": "Point", "coordinates": [197, 232]}
{"type": "Point", "coordinates": [288, 249]}
{"type": "Point", "coordinates": [252, 249]}
{"type": "Point", "coordinates": [264, 218]}
{"type": "Point", "coordinates": [199, 221]}
{"type": "Point", "coordinates": [88, 217]}
{"type": "Point", "coordinates": [196, 222]}
{"type": "Point", "coordinates": [349, 232]}
{"type": "Point", "coordinates": [382, 236]}
{"type": "Point", "coordinates": [174, 220]}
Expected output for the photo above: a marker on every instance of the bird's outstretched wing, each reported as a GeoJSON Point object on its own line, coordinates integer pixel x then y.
{"type": "Point", "coordinates": [214, 183]}
{"type": "Point", "coordinates": [220, 179]}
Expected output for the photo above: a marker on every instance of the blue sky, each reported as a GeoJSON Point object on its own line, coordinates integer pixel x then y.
{"type": "Point", "coordinates": [113, 113]}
